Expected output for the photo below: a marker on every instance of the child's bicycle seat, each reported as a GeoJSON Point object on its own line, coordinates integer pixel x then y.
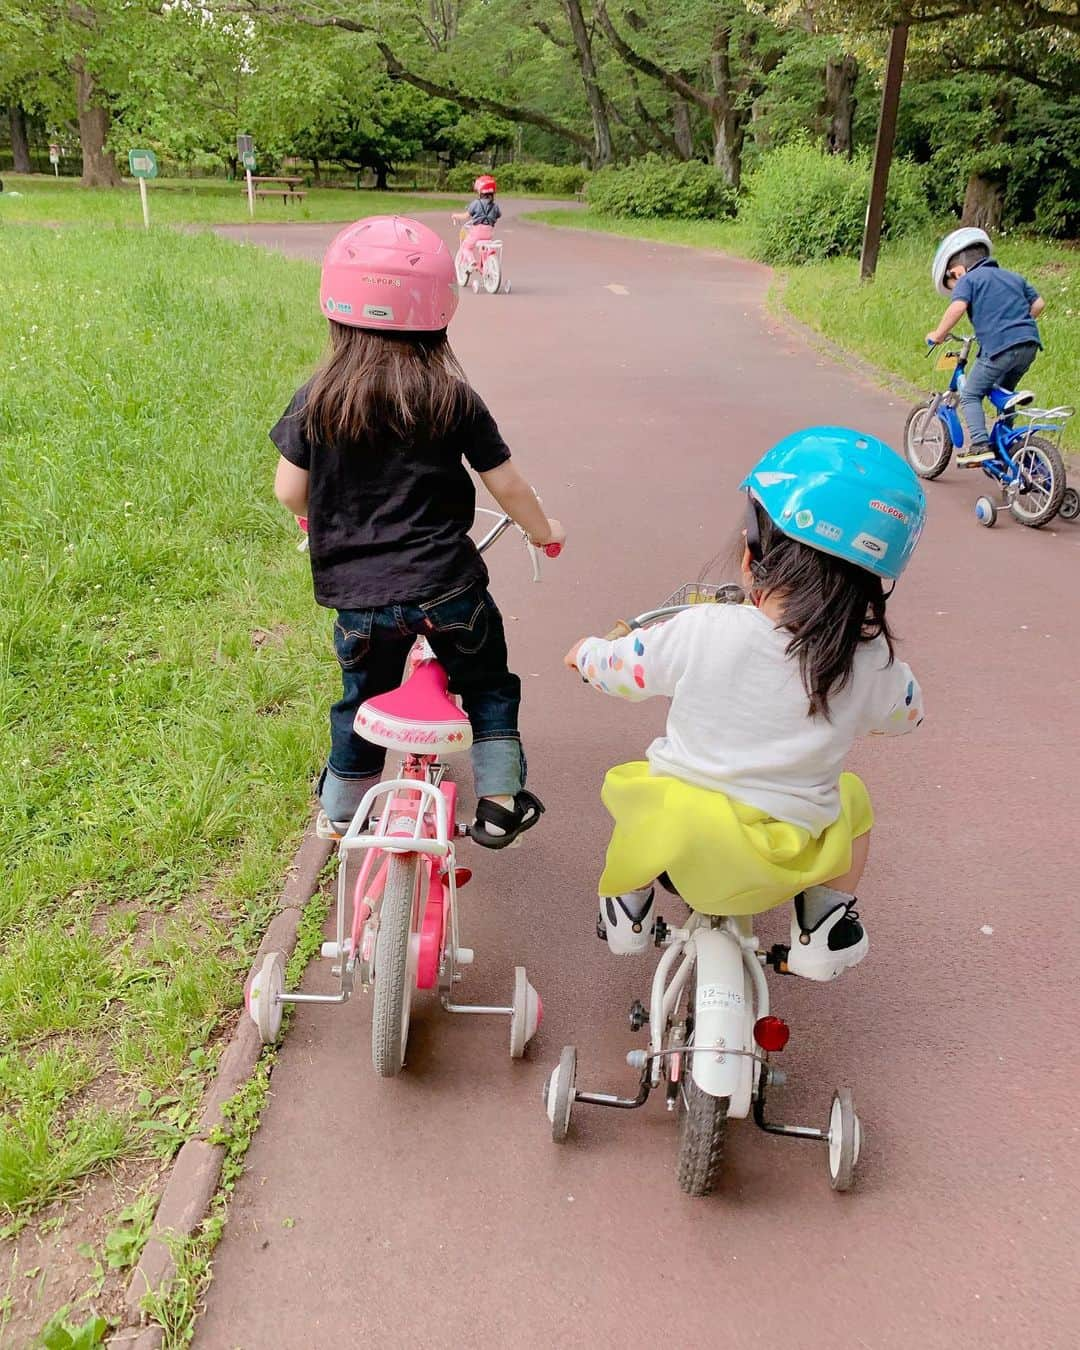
{"type": "Point", "coordinates": [418, 718]}
{"type": "Point", "coordinates": [1006, 401]}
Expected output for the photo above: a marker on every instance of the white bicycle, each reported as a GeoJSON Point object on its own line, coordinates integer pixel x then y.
{"type": "Point", "coordinates": [711, 1028]}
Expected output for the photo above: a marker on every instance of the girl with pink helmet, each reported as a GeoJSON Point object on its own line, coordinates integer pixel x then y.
{"type": "Point", "coordinates": [479, 220]}
{"type": "Point", "coordinates": [372, 451]}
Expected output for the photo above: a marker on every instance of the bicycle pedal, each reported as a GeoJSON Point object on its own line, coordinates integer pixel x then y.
{"type": "Point", "coordinates": [777, 956]}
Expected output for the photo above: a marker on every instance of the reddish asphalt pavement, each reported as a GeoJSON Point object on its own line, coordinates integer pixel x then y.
{"type": "Point", "coordinates": [434, 1210]}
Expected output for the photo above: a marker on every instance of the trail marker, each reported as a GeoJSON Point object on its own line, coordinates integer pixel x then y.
{"type": "Point", "coordinates": [143, 165]}
{"type": "Point", "coordinates": [54, 158]}
{"type": "Point", "coordinates": [245, 149]}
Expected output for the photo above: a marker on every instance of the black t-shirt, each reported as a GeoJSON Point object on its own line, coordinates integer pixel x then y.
{"type": "Point", "coordinates": [390, 523]}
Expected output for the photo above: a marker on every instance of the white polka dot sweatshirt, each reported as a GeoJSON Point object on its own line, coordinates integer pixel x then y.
{"type": "Point", "coordinates": [738, 721]}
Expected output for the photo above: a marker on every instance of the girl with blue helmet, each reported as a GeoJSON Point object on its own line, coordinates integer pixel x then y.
{"type": "Point", "coordinates": [743, 804]}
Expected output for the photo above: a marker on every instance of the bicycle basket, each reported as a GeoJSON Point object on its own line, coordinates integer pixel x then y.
{"type": "Point", "coordinates": [702, 593]}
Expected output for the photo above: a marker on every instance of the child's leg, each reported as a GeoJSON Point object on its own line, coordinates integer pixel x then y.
{"type": "Point", "coordinates": [983, 375]}
{"type": "Point", "coordinates": [372, 657]}
{"type": "Point", "coordinates": [466, 633]}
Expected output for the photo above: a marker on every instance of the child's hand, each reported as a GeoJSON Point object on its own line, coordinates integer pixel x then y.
{"type": "Point", "coordinates": [556, 535]}
{"type": "Point", "coordinates": [570, 659]}
{"type": "Point", "coordinates": [932, 339]}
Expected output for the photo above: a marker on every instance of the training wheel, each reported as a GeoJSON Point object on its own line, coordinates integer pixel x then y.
{"type": "Point", "coordinates": [985, 512]}
{"type": "Point", "coordinates": [559, 1093]}
{"type": "Point", "coordinates": [527, 1014]}
{"type": "Point", "coordinates": [1070, 504]}
{"type": "Point", "coordinates": [262, 998]}
{"type": "Point", "coordinates": [475, 285]}
{"type": "Point", "coordinates": [506, 288]}
{"type": "Point", "coordinates": [845, 1140]}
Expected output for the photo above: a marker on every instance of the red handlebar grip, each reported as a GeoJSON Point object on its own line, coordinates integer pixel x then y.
{"type": "Point", "coordinates": [553, 550]}
{"type": "Point", "coordinates": [302, 522]}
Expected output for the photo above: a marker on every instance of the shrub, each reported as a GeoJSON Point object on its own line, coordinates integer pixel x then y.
{"type": "Point", "coordinates": [653, 187]}
{"type": "Point", "coordinates": [803, 205]}
{"type": "Point", "coordinates": [547, 180]}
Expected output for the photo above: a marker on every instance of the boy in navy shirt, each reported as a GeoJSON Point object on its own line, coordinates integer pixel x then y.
{"type": "Point", "coordinates": [1002, 307]}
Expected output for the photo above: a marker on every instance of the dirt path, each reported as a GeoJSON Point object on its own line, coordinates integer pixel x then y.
{"type": "Point", "coordinates": [636, 384]}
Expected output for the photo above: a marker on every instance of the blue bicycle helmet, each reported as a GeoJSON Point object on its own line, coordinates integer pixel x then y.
{"type": "Point", "coordinates": [842, 492]}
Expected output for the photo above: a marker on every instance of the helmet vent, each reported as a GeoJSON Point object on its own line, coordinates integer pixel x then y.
{"type": "Point", "coordinates": [861, 444]}
{"type": "Point", "coordinates": [414, 258]}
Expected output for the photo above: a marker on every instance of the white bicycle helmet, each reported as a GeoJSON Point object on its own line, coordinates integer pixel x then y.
{"type": "Point", "coordinates": [950, 246]}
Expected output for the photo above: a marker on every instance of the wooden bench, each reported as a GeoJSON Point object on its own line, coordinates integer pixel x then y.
{"type": "Point", "coordinates": [288, 189]}
{"type": "Point", "coordinates": [286, 194]}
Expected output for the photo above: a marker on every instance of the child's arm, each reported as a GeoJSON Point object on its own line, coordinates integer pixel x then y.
{"type": "Point", "coordinates": [645, 663]}
{"type": "Point", "coordinates": [949, 320]}
{"type": "Point", "coordinates": [291, 486]}
{"type": "Point", "coordinates": [1037, 307]}
{"type": "Point", "coordinates": [899, 704]}
{"type": "Point", "coordinates": [520, 503]}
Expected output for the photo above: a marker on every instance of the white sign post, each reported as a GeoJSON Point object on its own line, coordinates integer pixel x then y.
{"type": "Point", "coordinates": [245, 149]}
{"type": "Point", "coordinates": [54, 158]}
{"type": "Point", "coordinates": [143, 165]}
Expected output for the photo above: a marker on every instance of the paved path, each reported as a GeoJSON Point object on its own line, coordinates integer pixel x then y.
{"type": "Point", "coordinates": [636, 384]}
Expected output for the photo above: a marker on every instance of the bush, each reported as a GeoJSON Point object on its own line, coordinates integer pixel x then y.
{"type": "Point", "coordinates": [653, 187]}
{"type": "Point", "coordinates": [803, 205]}
{"type": "Point", "coordinates": [546, 180]}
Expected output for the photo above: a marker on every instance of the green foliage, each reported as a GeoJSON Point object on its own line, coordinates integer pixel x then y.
{"type": "Point", "coordinates": [656, 188]}
{"type": "Point", "coordinates": [803, 205]}
{"type": "Point", "coordinates": [542, 180]}
{"type": "Point", "coordinates": [60, 1334]}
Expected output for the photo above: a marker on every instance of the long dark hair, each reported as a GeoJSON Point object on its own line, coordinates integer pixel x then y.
{"type": "Point", "coordinates": [374, 386]}
{"type": "Point", "coordinates": [829, 606]}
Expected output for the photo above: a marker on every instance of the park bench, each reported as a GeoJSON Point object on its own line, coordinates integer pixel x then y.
{"type": "Point", "coordinates": [288, 189]}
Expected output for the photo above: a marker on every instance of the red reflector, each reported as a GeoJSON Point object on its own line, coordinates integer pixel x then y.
{"type": "Point", "coordinates": [462, 876]}
{"type": "Point", "coordinates": [771, 1033]}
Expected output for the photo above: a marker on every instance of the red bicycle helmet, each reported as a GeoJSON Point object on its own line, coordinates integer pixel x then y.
{"type": "Point", "coordinates": [485, 183]}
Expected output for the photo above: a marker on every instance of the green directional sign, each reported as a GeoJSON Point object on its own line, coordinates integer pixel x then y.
{"type": "Point", "coordinates": [248, 160]}
{"type": "Point", "coordinates": [142, 163]}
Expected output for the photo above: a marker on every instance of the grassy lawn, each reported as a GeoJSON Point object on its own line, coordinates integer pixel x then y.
{"type": "Point", "coordinates": [163, 679]}
{"type": "Point", "coordinates": [886, 322]}
{"type": "Point", "coordinates": [183, 201]}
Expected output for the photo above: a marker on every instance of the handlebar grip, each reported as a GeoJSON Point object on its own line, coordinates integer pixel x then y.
{"type": "Point", "coordinates": [621, 629]}
{"type": "Point", "coordinates": [553, 550]}
{"type": "Point", "coordinates": [302, 522]}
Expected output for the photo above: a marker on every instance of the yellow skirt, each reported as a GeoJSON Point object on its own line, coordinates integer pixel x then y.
{"type": "Point", "coordinates": [722, 856]}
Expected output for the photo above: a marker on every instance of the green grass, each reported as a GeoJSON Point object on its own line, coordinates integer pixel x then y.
{"type": "Point", "coordinates": [885, 323]}
{"type": "Point", "coordinates": [727, 236]}
{"type": "Point", "coordinates": [183, 201]}
{"type": "Point", "coordinates": [163, 676]}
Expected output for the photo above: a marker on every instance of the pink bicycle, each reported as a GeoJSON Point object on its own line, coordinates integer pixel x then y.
{"type": "Point", "coordinates": [478, 261]}
{"type": "Point", "coordinates": [398, 879]}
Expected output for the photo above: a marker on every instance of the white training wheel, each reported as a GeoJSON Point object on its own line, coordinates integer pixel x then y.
{"type": "Point", "coordinates": [263, 996]}
{"type": "Point", "coordinates": [506, 288]}
{"type": "Point", "coordinates": [527, 1013]}
{"type": "Point", "coordinates": [476, 285]}
{"type": "Point", "coordinates": [559, 1093]}
{"type": "Point", "coordinates": [1070, 502]}
{"type": "Point", "coordinates": [985, 511]}
{"type": "Point", "coordinates": [845, 1139]}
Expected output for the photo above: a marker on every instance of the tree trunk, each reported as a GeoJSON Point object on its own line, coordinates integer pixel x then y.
{"type": "Point", "coordinates": [99, 167]}
{"type": "Point", "coordinates": [314, 171]}
{"type": "Point", "coordinates": [20, 145]}
{"type": "Point", "coordinates": [684, 136]}
{"type": "Point", "coordinates": [729, 131]}
{"type": "Point", "coordinates": [983, 203]}
{"type": "Point", "coordinates": [838, 105]}
{"type": "Point", "coordinates": [381, 171]}
{"type": "Point", "coordinates": [593, 94]}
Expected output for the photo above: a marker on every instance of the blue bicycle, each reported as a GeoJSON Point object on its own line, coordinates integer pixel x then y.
{"type": "Point", "coordinates": [1027, 467]}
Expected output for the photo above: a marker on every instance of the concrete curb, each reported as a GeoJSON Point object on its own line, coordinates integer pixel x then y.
{"type": "Point", "coordinates": [196, 1170]}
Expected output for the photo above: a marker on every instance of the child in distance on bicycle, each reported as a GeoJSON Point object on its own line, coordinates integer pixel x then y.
{"type": "Point", "coordinates": [742, 803]}
{"type": "Point", "coordinates": [1002, 307]}
{"type": "Point", "coordinates": [371, 451]}
{"type": "Point", "coordinates": [481, 217]}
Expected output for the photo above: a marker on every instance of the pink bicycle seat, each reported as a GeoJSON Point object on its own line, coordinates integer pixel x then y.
{"type": "Point", "coordinates": [419, 718]}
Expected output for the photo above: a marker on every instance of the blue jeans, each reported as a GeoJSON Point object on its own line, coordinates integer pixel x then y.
{"type": "Point", "coordinates": [465, 630]}
{"type": "Point", "coordinates": [1008, 368]}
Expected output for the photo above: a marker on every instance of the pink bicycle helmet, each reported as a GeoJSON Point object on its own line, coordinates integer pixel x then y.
{"type": "Point", "coordinates": [485, 183]}
{"type": "Point", "coordinates": [388, 272]}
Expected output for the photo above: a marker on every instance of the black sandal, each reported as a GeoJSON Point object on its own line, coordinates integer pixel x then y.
{"type": "Point", "coordinates": [527, 811]}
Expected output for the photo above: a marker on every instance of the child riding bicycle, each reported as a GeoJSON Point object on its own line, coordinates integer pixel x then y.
{"type": "Point", "coordinates": [1002, 307]}
{"type": "Point", "coordinates": [742, 803]}
{"type": "Point", "coordinates": [371, 451]}
{"type": "Point", "coordinates": [481, 217]}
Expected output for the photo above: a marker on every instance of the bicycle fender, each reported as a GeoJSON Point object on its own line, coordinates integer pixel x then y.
{"type": "Point", "coordinates": [723, 1016]}
{"type": "Point", "coordinates": [950, 419]}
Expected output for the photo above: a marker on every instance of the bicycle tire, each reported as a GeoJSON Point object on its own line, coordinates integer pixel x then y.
{"type": "Point", "coordinates": [701, 1137]}
{"type": "Point", "coordinates": [395, 965]}
{"type": "Point", "coordinates": [934, 466]}
{"type": "Point", "coordinates": [1052, 457]}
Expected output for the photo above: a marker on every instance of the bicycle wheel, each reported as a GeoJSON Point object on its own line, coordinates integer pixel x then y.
{"type": "Point", "coordinates": [701, 1136]}
{"type": "Point", "coordinates": [492, 272]}
{"type": "Point", "coordinates": [461, 270]}
{"type": "Point", "coordinates": [396, 955]}
{"type": "Point", "coordinates": [926, 442]}
{"type": "Point", "coordinates": [1042, 478]}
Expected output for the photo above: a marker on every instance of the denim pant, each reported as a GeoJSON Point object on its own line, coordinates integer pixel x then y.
{"type": "Point", "coordinates": [1008, 368]}
{"type": "Point", "coordinates": [465, 630]}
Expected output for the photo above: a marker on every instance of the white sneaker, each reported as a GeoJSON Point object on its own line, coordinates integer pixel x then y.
{"type": "Point", "coordinates": [834, 944]}
{"type": "Point", "coordinates": [626, 922]}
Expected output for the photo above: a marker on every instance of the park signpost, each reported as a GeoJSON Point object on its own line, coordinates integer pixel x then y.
{"type": "Point", "coordinates": [143, 165]}
{"type": "Point", "coordinates": [54, 158]}
{"type": "Point", "coordinates": [245, 149]}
